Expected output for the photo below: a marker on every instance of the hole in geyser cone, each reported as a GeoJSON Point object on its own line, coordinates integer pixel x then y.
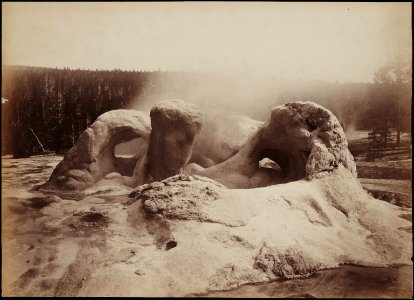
{"type": "Point", "coordinates": [274, 173]}
{"type": "Point", "coordinates": [283, 165]}
{"type": "Point", "coordinates": [170, 245]}
{"type": "Point", "coordinates": [267, 163]}
{"type": "Point", "coordinates": [129, 149]}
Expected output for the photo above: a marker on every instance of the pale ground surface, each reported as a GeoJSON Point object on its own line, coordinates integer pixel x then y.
{"type": "Point", "coordinates": [102, 246]}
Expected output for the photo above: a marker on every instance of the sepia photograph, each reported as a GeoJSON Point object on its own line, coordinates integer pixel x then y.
{"type": "Point", "coordinates": [207, 149]}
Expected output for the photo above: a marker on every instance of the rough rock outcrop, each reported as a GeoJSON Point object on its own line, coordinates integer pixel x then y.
{"type": "Point", "coordinates": [191, 235]}
{"type": "Point", "coordinates": [178, 136]}
{"type": "Point", "coordinates": [303, 138]}
{"type": "Point", "coordinates": [300, 140]}
{"type": "Point", "coordinates": [277, 232]}
{"type": "Point", "coordinates": [175, 126]}
{"type": "Point", "coordinates": [92, 157]}
{"type": "Point", "coordinates": [309, 136]}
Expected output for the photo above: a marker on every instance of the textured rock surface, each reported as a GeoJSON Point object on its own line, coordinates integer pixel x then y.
{"type": "Point", "coordinates": [173, 141]}
{"type": "Point", "coordinates": [303, 138]}
{"type": "Point", "coordinates": [300, 140]}
{"type": "Point", "coordinates": [92, 156]}
{"type": "Point", "coordinates": [175, 126]}
{"type": "Point", "coordinates": [190, 235]}
{"type": "Point", "coordinates": [277, 232]}
{"type": "Point", "coordinates": [310, 137]}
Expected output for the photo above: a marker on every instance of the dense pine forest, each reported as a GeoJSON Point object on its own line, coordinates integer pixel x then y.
{"type": "Point", "coordinates": [49, 108]}
{"type": "Point", "coordinates": [57, 105]}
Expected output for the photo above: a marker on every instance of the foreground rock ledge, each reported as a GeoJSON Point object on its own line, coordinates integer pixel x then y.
{"type": "Point", "coordinates": [190, 235]}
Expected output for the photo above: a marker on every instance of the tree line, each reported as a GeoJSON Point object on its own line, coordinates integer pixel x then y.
{"type": "Point", "coordinates": [47, 109]}
{"type": "Point", "coordinates": [57, 105]}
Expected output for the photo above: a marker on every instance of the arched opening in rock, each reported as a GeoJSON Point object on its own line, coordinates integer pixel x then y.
{"type": "Point", "coordinates": [130, 148]}
{"type": "Point", "coordinates": [276, 166]}
{"type": "Point", "coordinates": [275, 160]}
{"type": "Point", "coordinates": [271, 166]}
{"type": "Point", "coordinates": [267, 163]}
{"type": "Point", "coordinates": [127, 150]}
{"type": "Point", "coordinates": [122, 153]}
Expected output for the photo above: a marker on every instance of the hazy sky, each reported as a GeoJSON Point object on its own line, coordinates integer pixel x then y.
{"type": "Point", "coordinates": [328, 41]}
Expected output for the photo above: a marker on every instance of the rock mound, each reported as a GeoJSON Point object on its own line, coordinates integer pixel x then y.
{"type": "Point", "coordinates": [304, 139]}
{"type": "Point", "coordinates": [92, 156]}
{"type": "Point", "coordinates": [300, 140]}
{"type": "Point", "coordinates": [256, 235]}
{"type": "Point", "coordinates": [175, 127]}
{"type": "Point", "coordinates": [189, 234]}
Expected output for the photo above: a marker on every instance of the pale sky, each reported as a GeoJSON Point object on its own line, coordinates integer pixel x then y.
{"type": "Point", "coordinates": [325, 41]}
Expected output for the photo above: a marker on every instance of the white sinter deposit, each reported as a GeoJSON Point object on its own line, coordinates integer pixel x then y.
{"type": "Point", "coordinates": [214, 227]}
{"type": "Point", "coordinates": [93, 155]}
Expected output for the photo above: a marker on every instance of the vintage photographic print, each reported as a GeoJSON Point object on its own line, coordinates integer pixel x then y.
{"type": "Point", "coordinates": [207, 149]}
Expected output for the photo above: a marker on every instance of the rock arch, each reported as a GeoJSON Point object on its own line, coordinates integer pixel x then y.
{"type": "Point", "coordinates": [92, 156]}
{"type": "Point", "coordinates": [303, 138]}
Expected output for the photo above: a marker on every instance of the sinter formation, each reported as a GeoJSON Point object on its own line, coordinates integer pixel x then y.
{"type": "Point", "coordinates": [300, 140]}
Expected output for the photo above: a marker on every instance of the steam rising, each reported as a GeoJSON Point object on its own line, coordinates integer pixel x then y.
{"type": "Point", "coordinates": [224, 94]}
{"type": "Point", "coordinates": [248, 96]}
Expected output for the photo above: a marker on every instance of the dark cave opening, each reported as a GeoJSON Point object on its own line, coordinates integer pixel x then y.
{"type": "Point", "coordinates": [284, 166]}
{"type": "Point", "coordinates": [170, 245]}
{"type": "Point", "coordinates": [274, 160]}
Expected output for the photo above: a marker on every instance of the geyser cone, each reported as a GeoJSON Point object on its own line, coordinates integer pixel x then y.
{"type": "Point", "coordinates": [175, 126]}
